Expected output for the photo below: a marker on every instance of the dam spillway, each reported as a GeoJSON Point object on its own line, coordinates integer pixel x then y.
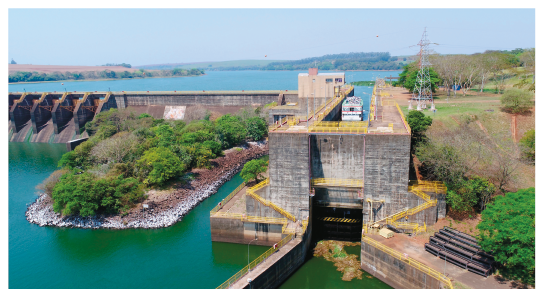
{"type": "Point", "coordinates": [60, 117]}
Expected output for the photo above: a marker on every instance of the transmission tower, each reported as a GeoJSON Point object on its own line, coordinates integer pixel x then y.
{"type": "Point", "coordinates": [422, 93]}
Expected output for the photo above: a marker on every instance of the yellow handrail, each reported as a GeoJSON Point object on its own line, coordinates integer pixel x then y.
{"type": "Point", "coordinates": [251, 192]}
{"type": "Point", "coordinates": [337, 182]}
{"type": "Point", "coordinates": [255, 262]}
{"type": "Point", "coordinates": [411, 262]}
{"type": "Point", "coordinates": [225, 200]}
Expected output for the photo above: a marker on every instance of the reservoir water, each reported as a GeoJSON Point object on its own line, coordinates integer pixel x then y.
{"type": "Point", "coordinates": [181, 256]}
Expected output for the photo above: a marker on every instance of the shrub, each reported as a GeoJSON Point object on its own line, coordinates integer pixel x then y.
{"type": "Point", "coordinates": [256, 128]}
{"type": "Point", "coordinates": [517, 100]}
{"type": "Point", "coordinates": [49, 183]}
{"type": "Point", "coordinates": [79, 157]}
{"type": "Point", "coordinates": [158, 165]}
{"type": "Point", "coordinates": [230, 130]}
{"type": "Point", "coordinates": [507, 230]}
{"type": "Point", "coordinates": [85, 195]}
{"type": "Point", "coordinates": [527, 143]}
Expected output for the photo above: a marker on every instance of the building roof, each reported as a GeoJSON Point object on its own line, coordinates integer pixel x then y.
{"type": "Point", "coordinates": [324, 74]}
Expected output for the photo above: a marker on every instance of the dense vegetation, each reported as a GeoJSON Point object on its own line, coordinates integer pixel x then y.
{"type": "Point", "coordinates": [127, 154]}
{"type": "Point", "coordinates": [464, 72]}
{"type": "Point", "coordinates": [350, 61]}
{"type": "Point", "coordinates": [24, 76]}
{"type": "Point", "coordinates": [508, 232]}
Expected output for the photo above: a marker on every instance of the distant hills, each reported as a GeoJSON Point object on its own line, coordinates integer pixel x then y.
{"type": "Point", "coordinates": [346, 61]}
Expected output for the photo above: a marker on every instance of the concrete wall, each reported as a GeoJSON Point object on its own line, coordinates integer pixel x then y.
{"type": "Point", "coordinates": [387, 171]}
{"type": "Point", "coordinates": [40, 115]}
{"type": "Point", "coordinates": [394, 272]}
{"type": "Point", "coordinates": [83, 115]}
{"type": "Point", "coordinates": [236, 231]}
{"type": "Point", "coordinates": [337, 156]}
{"type": "Point", "coordinates": [215, 100]}
{"type": "Point", "coordinates": [19, 116]}
{"type": "Point", "coordinates": [289, 172]}
{"type": "Point", "coordinates": [62, 116]}
{"type": "Point", "coordinates": [279, 271]}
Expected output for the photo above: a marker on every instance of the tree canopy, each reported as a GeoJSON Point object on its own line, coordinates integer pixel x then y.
{"type": "Point", "coordinates": [507, 231]}
{"type": "Point", "coordinates": [517, 100]}
{"type": "Point", "coordinates": [252, 169]}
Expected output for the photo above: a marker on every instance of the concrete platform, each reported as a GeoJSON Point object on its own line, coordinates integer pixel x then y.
{"type": "Point", "coordinates": [415, 250]}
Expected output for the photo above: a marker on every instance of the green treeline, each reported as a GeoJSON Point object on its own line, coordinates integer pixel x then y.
{"type": "Point", "coordinates": [350, 61]}
{"type": "Point", "coordinates": [127, 155]}
{"type": "Point", "coordinates": [23, 76]}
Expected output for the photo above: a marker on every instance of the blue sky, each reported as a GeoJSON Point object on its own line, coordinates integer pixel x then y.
{"type": "Point", "coordinates": [152, 36]}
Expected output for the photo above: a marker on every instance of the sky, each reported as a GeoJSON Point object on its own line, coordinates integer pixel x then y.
{"type": "Point", "coordinates": [154, 36]}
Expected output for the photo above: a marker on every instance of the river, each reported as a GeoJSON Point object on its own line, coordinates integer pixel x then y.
{"type": "Point", "coordinates": [181, 256]}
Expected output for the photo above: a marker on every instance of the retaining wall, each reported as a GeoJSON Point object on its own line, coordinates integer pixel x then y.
{"type": "Point", "coordinates": [394, 272]}
{"type": "Point", "coordinates": [236, 231]}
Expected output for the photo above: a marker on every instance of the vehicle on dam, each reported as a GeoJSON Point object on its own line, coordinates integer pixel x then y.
{"type": "Point", "coordinates": [352, 109]}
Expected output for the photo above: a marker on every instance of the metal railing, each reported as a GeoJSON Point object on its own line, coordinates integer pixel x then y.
{"type": "Point", "coordinates": [252, 192]}
{"type": "Point", "coordinates": [403, 119]}
{"type": "Point", "coordinates": [225, 200]}
{"type": "Point", "coordinates": [411, 262]}
{"type": "Point", "coordinates": [337, 182]}
{"type": "Point", "coordinates": [255, 262]}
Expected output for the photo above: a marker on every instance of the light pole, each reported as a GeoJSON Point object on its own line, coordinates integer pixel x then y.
{"type": "Point", "coordinates": [256, 238]}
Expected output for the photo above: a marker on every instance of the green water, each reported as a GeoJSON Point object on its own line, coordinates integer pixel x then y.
{"type": "Point", "coordinates": [317, 273]}
{"type": "Point", "coordinates": [181, 256]}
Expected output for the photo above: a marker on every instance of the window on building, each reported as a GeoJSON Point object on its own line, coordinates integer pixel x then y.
{"type": "Point", "coordinates": [329, 80]}
{"type": "Point", "coordinates": [339, 80]}
{"type": "Point", "coordinates": [352, 109]}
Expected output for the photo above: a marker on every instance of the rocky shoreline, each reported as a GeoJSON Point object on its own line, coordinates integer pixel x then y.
{"type": "Point", "coordinates": [163, 213]}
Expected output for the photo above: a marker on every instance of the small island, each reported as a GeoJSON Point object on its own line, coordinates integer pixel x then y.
{"type": "Point", "coordinates": [130, 160]}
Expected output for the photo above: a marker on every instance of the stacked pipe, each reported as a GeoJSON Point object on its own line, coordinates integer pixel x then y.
{"type": "Point", "coordinates": [461, 250]}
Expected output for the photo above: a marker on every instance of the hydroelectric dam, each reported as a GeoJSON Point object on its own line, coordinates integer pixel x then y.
{"type": "Point", "coordinates": [328, 179]}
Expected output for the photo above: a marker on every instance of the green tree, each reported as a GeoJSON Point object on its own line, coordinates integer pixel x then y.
{"type": "Point", "coordinates": [517, 100]}
{"type": "Point", "coordinates": [507, 231]}
{"type": "Point", "coordinates": [144, 115]}
{"type": "Point", "coordinates": [230, 130]}
{"type": "Point", "coordinates": [78, 158]}
{"type": "Point", "coordinates": [158, 165]}
{"type": "Point", "coordinates": [252, 169]}
{"type": "Point", "coordinates": [73, 195]}
{"type": "Point", "coordinates": [419, 123]}
{"type": "Point", "coordinates": [527, 143]}
{"type": "Point", "coordinates": [256, 128]}
{"type": "Point", "coordinates": [408, 77]}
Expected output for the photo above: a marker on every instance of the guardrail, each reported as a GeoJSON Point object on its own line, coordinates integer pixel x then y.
{"type": "Point", "coordinates": [225, 200]}
{"type": "Point", "coordinates": [251, 192]}
{"type": "Point", "coordinates": [337, 182]}
{"type": "Point", "coordinates": [255, 262]}
{"type": "Point", "coordinates": [411, 262]}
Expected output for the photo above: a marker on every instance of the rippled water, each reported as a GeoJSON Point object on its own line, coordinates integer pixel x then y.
{"type": "Point", "coordinates": [181, 256]}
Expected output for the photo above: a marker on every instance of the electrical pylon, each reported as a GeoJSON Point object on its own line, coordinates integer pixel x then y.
{"type": "Point", "coordinates": [422, 92]}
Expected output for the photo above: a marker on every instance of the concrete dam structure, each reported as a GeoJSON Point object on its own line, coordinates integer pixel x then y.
{"type": "Point", "coordinates": [330, 179]}
{"type": "Point", "coordinates": [61, 117]}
